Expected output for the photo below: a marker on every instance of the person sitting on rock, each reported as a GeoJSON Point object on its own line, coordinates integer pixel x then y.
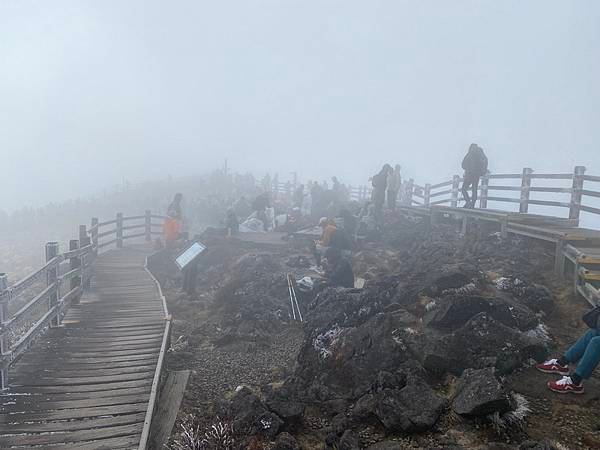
{"type": "Point", "coordinates": [338, 269]}
{"type": "Point", "coordinates": [319, 246]}
{"type": "Point", "coordinates": [585, 352]}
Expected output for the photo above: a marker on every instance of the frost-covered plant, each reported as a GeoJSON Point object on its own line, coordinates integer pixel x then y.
{"type": "Point", "coordinates": [325, 341]}
{"type": "Point", "coordinates": [219, 436]}
{"type": "Point", "coordinates": [514, 419]}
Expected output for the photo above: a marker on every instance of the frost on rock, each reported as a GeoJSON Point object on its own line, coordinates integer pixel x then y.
{"type": "Point", "coordinates": [324, 342]}
{"type": "Point", "coordinates": [463, 290]}
{"type": "Point", "coordinates": [539, 333]}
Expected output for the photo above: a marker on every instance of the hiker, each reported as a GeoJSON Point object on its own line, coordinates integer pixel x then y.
{"type": "Point", "coordinates": [394, 181]}
{"type": "Point", "coordinates": [348, 221]}
{"type": "Point", "coordinates": [174, 209]}
{"type": "Point", "coordinates": [317, 195]}
{"type": "Point", "coordinates": [232, 224]}
{"type": "Point", "coordinates": [338, 269]}
{"type": "Point", "coordinates": [379, 183]}
{"type": "Point", "coordinates": [260, 205]}
{"type": "Point", "coordinates": [585, 353]}
{"type": "Point", "coordinates": [298, 197]}
{"type": "Point", "coordinates": [475, 164]}
{"type": "Point", "coordinates": [242, 208]}
{"type": "Point", "coordinates": [172, 225]}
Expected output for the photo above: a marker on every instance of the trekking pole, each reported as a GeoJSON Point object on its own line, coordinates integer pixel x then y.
{"type": "Point", "coordinates": [293, 282]}
{"type": "Point", "coordinates": [291, 296]}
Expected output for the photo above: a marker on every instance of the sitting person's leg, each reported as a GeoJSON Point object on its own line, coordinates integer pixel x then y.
{"type": "Point", "coordinates": [585, 352]}
{"type": "Point", "coordinates": [572, 355]}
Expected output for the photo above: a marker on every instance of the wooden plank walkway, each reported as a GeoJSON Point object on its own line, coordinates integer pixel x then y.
{"type": "Point", "coordinates": [87, 384]}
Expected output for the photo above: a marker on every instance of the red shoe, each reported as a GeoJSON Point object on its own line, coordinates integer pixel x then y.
{"type": "Point", "coordinates": [552, 366]}
{"type": "Point", "coordinates": [565, 385]}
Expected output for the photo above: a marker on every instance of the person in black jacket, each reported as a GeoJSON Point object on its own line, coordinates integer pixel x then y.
{"type": "Point", "coordinates": [475, 164]}
{"type": "Point", "coordinates": [338, 269]}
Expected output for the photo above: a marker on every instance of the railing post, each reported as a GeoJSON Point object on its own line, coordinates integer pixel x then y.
{"type": "Point", "coordinates": [483, 196]}
{"type": "Point", "coordinates": [74, 263]}
{"type": "Point", "coordinates": [148, 225]}
{"type": "Point", "coordinates": [95, 222]}
{"type": "Point", "coordinates": [4, 299]}
{"type": "Point", "coordinates": [409, 191]}
{"type": "Point", "coordinates": [525, 187]}
{"type": "Point", "coordinates": [455, 186]}
{"type": "Point", "coordinates": [52, 278]}
{"type": "Point", "coordinates": [119, 230]}
{"type": "Point", "coordinates": [427, 194]}
{"type": "Point", "coordinates": [575, 205]}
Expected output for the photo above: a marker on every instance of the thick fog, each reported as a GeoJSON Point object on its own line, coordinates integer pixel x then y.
{"type": "Point", "coordinates": [96, 92]}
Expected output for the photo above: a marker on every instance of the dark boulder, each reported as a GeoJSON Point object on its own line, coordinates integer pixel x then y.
{"type": "Point", "coordinates": [251, 415]}
{"type": "Point", "coordinates": [479, 393]}
{"type": "Point", "coordinates": [415, 407]}
{"type": "Point", "coordinates": [285, 406]}
{"type": "Point", "coordinates": [483, 341]}
{"type": "Point", "coordinates": [286, 441]}
{"type": "Point", "coordinates": [349, 441]}
{"type": "Point", "coordinates": [536, 445]}
{"type": "Point", "coordinates": [386, 445]}
{"type": "Point", "coordinates": [453, 312]}
{"type": "Point", "coordinates": [343, 363]}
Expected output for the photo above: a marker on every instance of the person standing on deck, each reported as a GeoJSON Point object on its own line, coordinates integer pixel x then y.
{"type": "Point", "coordinates": [394, 181]}
{"type": "Point", "coordinates": [173, 222]}
{"type": "Point", "coordinates": [475, 165]}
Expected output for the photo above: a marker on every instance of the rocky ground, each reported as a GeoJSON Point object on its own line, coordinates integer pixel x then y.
{"type": "Point", "coordinates": [436, 351]}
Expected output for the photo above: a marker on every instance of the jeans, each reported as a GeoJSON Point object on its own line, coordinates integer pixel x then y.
{"type": "Point", "coordinates": [586, 353]}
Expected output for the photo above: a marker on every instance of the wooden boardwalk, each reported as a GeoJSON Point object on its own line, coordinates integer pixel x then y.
{"type": "Point", "coordinates": [88, 384]}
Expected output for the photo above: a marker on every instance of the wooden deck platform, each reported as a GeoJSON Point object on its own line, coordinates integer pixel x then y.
{"type": "Point", "coordinates": [90, 383]}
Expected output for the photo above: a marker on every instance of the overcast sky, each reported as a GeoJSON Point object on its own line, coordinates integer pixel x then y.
{"type": "Point", "coordinates": [95, 91]}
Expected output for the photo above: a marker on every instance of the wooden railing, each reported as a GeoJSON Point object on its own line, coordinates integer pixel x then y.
{"type": "Point", "coordinates": [41, 299]}
{"type": "Point", "coordinates": [448, 192]}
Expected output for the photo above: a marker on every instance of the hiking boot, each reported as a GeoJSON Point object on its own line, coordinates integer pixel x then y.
{"type": "Point", "coordinates": [552, 366]}
{"type": "Point", "coordinates": [565, 385]}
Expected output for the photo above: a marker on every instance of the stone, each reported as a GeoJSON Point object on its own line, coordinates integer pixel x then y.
{"type": "Point", "coordinates": [453, 312]}
{"type": "Point", "coordinates": [479, 394]}
{"type": "Point", "coordinates": [251, 415]}
{"type": "Point", "coordinates": [414, 408]}
{"type": "Point", "coordinates": [349, 441]}
{"type": "Point", "coordinates": [386, 445]}
{"type": "Point", "coordinates": [286, 441]}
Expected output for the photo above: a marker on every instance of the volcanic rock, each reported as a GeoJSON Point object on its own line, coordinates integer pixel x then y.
{"type": "Point", "coordinates": [479, 393]}
{"type": "Point", "coordinates": [415, 407]}
{"type": "Point", "coordinates": [451, 313]}
{"type": "Point", "coordinates": [349, 441]}
{"type": "Point", "coordinates": [286, 441]}
{"type": "Point", "coordinates": [251, 415]}
{"type": "Point", "coordinates": [344, 362]}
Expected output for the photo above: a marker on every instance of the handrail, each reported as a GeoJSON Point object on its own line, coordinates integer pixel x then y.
{"type": "Point", "coordinates": [24, 283]}
{"type": "Point", "coordinates": [81, 255]}
{"type": "Point", "coordinates": [577, 192]}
